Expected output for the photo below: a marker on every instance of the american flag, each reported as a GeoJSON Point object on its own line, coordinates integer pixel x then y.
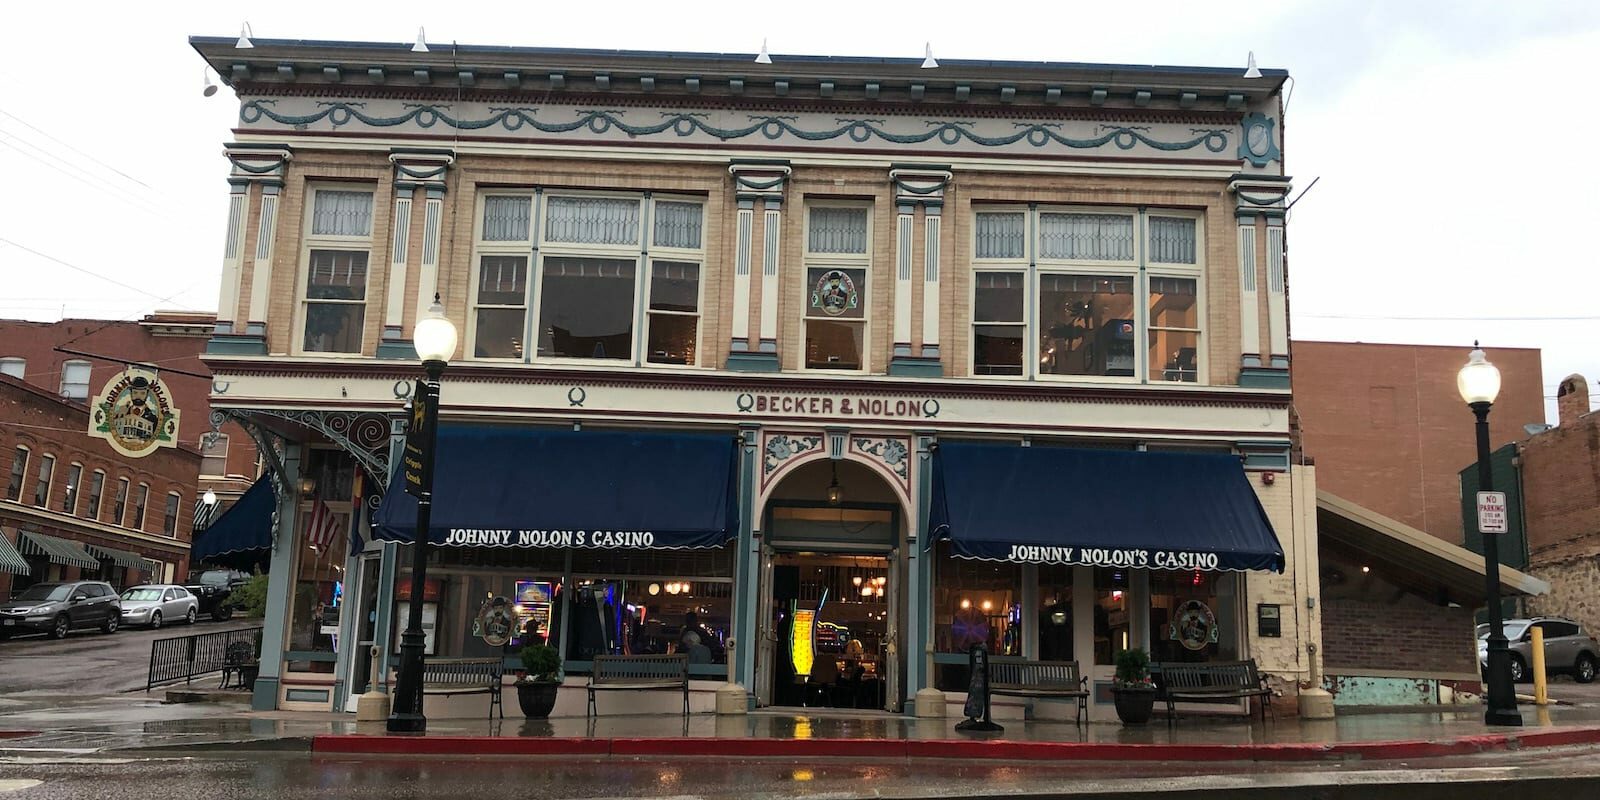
{"type": "Point", "coordinates": [321, 527]}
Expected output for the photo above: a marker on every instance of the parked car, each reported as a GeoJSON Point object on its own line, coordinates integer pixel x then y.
{"type": "Point", "coordinates": [155, 604]}
{"type": "Point", "coordinates": [1567, 648]}
{"type": "Point", "coordinates": [214, 590]}
{"type": "Point", "coordinates": [59, 608]}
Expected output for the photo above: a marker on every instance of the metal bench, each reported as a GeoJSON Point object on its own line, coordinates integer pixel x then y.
{"type": "Point", "coordinates": [639, 672]}
{"type": "Point", "coordinates": [448, 676]}
{"type": "Point", "coordinates": [1226, 680]}
{"type": "Point", "coordinates": [1046, 680]}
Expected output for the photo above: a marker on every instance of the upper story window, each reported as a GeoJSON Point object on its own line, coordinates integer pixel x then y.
{"type": "Point", "coordinates": [41, 489]}
{"type": "Point", "coordinates": [579, 275]}
{"type": "Point", "coordinates": [169, 520]}
{"type": "Point", "coordinates": [13, 366]}
{"type": "Point", "coordinates": [214, 457]}
{"type": "Point", "coordinates": [75, 380]}
{"type": "Point", "coordinates": [97, 487]}
{"type": "Point", "coordinates": [69, 498]}
{"type": "Point", "coordinates": [119, 504]}
{"type": "Point", "coordinates": [19, 473]}
{"type": "Point", "coordinates": [1068, 292]}
{"type": "Point", "coordinates": [337, 249]}
{"type": "Point", "coordinates": [838, 247]}
{"type": "Point", "coordinates": [141, 500]}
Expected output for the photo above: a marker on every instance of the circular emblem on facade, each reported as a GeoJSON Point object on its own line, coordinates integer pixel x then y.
{"type": "Point", "coordinates": [134, 413]}
{"type": "Point", "coordinates": [496, 622]}
{"type": "Point", "coordinates": [1195, 626]}
{"type": "Point", "coordinates": [835, 293]}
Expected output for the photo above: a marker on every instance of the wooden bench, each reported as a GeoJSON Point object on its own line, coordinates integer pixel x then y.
{"type": "Point", "coordinates": [1226, 680]}
{"type": "Point", "coordinates": [448, 676]}
{"type": "Point", "coordinates": [1046, 680]}
{"type": "Point", "coordinates": [640, 672]}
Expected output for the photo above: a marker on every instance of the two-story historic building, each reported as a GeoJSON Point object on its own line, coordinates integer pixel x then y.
{"type": "Point", "coordinates": [820, 370]}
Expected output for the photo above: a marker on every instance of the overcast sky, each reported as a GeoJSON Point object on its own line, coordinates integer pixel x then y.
{"type": "Point", "coordinates": [1454, 140]}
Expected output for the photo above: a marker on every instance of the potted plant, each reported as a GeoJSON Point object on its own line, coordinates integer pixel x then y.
{"type": "Point", "coordinates": [536, 689]}
{"type": "Point", "coordinates": [1132, 690]}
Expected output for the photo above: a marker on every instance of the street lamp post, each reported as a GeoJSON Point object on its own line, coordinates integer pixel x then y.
{"type": "Point", "coordinates": [435, 340]}
{"type": "Point", "coordinates": [1479, 384]}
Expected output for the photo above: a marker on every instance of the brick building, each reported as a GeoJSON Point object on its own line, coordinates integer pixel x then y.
{"type": "Point", "coordinates": [1389, 432]}
{"type": "Point", "coordinates": [1560, 474]}
{"type": "Point", "coordinates": [883, 304]}
{"type": "Point", "coordinates": [73, 358]}
{"type": "Point", "coordinates": [75, 508]}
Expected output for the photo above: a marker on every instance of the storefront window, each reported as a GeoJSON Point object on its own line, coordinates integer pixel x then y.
{"type": "Point", "coordinates": [1194, 616]}
{"type": "Point", "coordinates": [651, 602]}
{"type": "Point", "coordinates": [974, 602]}
{"type": "Point", "coordinates": [1111, 610]}
{"type": "Point", "coordinates": [1055, 612]}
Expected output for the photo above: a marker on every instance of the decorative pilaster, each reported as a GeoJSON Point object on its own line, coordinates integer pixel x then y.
{"type": "Point", "coordinates": [254, 164]}
{"type": "Point", "coordinates": [917, 185]}
{"type": "Point", "coordinates": [232, 255]}
{"type": "Point", "coordinates": [413, 170]}
{"type": "Point", "coordinates": [1261, 199]}
{"type": "Point", "coordinates": [754, 181]}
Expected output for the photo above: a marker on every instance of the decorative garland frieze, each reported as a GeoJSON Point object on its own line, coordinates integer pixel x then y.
{"type": "Point", "coordinates": [811, 128]}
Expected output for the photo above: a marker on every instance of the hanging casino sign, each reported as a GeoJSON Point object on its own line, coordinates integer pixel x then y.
{"type": "Point", "coordinates": [134, 412]}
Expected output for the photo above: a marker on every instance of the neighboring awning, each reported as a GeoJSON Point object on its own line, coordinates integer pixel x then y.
{"type": "Point", "coordinates": [245, 527]}
{"type": "Point", "coordinates": [1423, 562]}
{"type": "Point", "coordinates": [1111, 508]}
{"type": "Point", "coordinates": [121, 558]}
{"type": "Point", "coordinates": [65, 552]}
{"type": "Point", "coordinates": [528, 487]}
{"type": "Point", "coordinates": [10, 560]}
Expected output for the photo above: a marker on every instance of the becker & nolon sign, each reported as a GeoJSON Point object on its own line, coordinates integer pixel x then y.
{"type": "Point", "coordinates": [827, 405]}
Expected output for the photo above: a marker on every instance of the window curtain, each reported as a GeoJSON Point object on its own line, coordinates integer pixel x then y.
{"type": "Point", "coordinates": [1172, 240]}
{"type": "Point", "coordinates": [593, 220]}
{"type": "Point", "coordinates": [1000, 235]}
{"type": "Point", "coordinates": [505, 219]}
{"type": "Point", "coordinates": [677, 225]}
{"type": "Point", "coordinates": [838, 230]}
{"type": "Point", "coordinates": [342, 214]}
{"type": "Point", "coordinates": [1086, 237]}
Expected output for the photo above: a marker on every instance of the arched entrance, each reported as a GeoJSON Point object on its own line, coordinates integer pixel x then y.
{"type": "Point", "coordinates": [832, 592]}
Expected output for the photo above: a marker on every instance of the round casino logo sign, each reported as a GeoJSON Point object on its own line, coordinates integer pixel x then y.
{"type": "Point", "coordinates": [835, 293]}
{"type": "Point", "coordinates": [1194, 626]}
{"type": "Point", "coordinates": [134, 413]}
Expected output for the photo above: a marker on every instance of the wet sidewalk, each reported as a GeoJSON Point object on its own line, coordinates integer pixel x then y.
{"type": "Point", "coordinates": [138, 722]}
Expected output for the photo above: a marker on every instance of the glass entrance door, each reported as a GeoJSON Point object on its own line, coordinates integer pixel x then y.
{"type": "Point", "coordinates": [832, 634]}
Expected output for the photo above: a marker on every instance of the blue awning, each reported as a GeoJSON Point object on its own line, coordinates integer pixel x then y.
{"type": "Point", "coordinates": [246, 527]}
{"type": "Point", "coordinates": [1110, 508]}
{"type": "Point", "coordinates": [528, 487]}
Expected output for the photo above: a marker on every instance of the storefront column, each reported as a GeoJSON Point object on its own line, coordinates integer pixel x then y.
{"type": "Point", "coordinates": [747, 570]}
{"type": "Point", "coordinates": [1030, 611]}
{"type": "Point", "coordinates": [1083, 602]}
{"type": "Point", "coordinates": [923, 700]}
{"type": "Point", "coordinates": [1139, 620]}
{"type": "Point", "coordinates": [280, 585]}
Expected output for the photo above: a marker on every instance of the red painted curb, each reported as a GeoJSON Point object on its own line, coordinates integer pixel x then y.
{"type": "Point", "coordinates": [17, 734]}
{"type": "Point", "coordinates": [893, 749]}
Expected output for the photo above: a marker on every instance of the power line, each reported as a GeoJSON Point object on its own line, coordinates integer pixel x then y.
{"type": "Point", "coordinates": [46, 135]}
{"type": "Point", "coordinates": [89, 174]}
{"type": "Point", "coordinates": [134, 203]}
{"type": "Point", "coordinates": [90, 273]}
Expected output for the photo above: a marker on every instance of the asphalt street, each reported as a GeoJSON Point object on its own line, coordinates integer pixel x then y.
{"type": "Point", "coordinates": [284, 776]}
{"type": "Point", "coordinates": [89, 662]}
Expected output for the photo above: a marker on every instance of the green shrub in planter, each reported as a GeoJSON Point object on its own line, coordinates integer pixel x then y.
{"type": "Point", "coordinates": [541, 662]}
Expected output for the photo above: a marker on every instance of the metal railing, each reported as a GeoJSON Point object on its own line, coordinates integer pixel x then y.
{"type": "Point", "coordinates": [178, 658]}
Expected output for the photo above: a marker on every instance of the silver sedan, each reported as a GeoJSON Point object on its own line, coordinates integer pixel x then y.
{"type": "Point", "coordinates": [156, 604]}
